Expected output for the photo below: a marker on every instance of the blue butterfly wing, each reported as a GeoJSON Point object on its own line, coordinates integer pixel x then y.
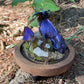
{"type": "Point", "coordinates": [28, 33]}
{"type": "Point", "coordinates": [47, 29]}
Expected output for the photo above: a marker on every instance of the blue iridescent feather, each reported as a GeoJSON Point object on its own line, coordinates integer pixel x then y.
{"type": "Point", "coordinates": [48, 31]}
{"type": "Point", "coordinates": [28, 34]}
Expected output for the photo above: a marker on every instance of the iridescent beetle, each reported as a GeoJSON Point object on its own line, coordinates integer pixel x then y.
{"type": "Point", "coordinates": [48, 31]}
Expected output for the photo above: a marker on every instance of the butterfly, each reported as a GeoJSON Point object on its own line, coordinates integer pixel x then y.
{"type": "Point", "coordinates": [28, 34]}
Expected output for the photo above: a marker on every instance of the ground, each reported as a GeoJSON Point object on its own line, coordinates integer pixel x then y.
{"type": "Point", "coordinates": [12, 22]}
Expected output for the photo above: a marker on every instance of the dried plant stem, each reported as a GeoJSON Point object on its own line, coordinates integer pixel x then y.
{"type": "Point", "coordinates": [74, 35]}
{"type": "Point", "coordinates": [31, 21]}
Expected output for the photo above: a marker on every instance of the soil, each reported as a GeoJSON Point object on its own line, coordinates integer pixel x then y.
{"type": "Point", "coordinates": [12, 22]}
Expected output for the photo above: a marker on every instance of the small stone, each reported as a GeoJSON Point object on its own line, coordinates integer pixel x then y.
{"type": "Point", "coordinates": [14, 82]}
{"type": "Point", "coordinates": [65, 82]}
{"type": "Point", "coordinates": [80, 79]}
{"type": "Point", "coordinates": [59, 55]}
{"type": "Point", "coordinates": [40, 52]}
{"type": "Point", "coordinates": [67, 30]}
{"type": "Point", "coordinates": [60, 81]}
{"type": "Point", "coordinates": [19, 38]}
{"type": "Point", "coordinates": [40, 42]}
{"type": "Point", "coordinates": [20, 77]}
{"type": "Point", "coordinates": [56, 55]}
{"type": "Point", "coordinates": [18, 72]}
{"type": "Point", "coordinates": [47, 46]}
{"type": "Point", "coordinates": [52, 83]}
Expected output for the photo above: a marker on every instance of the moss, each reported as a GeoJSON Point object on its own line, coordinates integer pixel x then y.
{"type": "Point", "coordinates": [31, 53]}
{"type": "Point", "coordinates": [26, 44]}
{"type": "Point", "coordinates": [37, 58]}
{"type": "Point", "coordinates": [34, 44]}
{"type": "Point", "coordinates": [52, 61]}
{"type": "Point", "coordinates": [49, 42]}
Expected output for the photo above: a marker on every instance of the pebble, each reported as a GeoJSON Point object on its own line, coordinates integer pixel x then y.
{"type": "Point", "coordinates": [47, 45]}
{"type": "Point", "coordinates": [14, 82]}
{"type": "Point", "coordinates": [40, 42]}
{"type": "Point", "coordinates": [80, 79]}
{"type": "Point", "coordinates": [19, 38]}
{"type": "Point", "coordinates": [20, 77]}
{"type": "Point", "coordinates": [59, 56]}
{"type": "Point", "coordinates": [56, 55]}
{"type": "Point", "coordinates": [60, 81]}
{"type": "Point", "coordinates": [40, 53]}
{"type": "Point", "coordinates": [67, 30]}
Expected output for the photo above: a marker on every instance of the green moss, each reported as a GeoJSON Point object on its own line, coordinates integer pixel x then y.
{"type": "Point", "coordinates": [50, 42]}
{"type": "Point", "coordinates": [37, 58]}
{"type": "Point", "coordinates": [26, 45]}
{"type": "Point", "coordinates": [34, 44]}
{"type": "Point", "coordinates": [31, 53]}
{"type": "Point", "coordinates": [52, 61]}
